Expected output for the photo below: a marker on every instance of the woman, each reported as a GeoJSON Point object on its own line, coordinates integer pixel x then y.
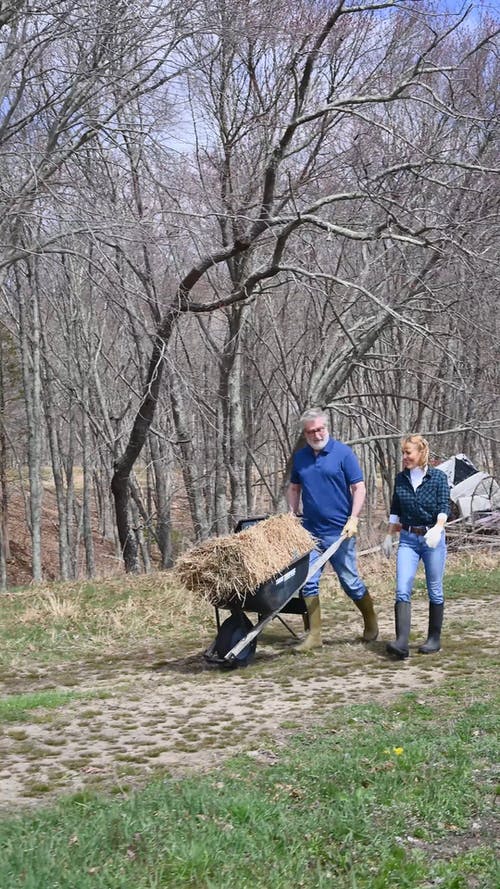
{"type": "Point", "coordinates": [419, 510]}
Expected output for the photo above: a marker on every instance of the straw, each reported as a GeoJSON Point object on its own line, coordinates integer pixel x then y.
{"type": "Point", "coordinates": [225, 569]}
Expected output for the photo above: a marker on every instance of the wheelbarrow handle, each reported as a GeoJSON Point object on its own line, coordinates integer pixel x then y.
{"type": "Point", "coordinates": [328, 553]}
{"type": "Point", "coordinates": [323, 559]}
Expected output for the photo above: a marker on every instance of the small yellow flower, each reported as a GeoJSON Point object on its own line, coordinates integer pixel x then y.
{"type": "Point", "coordinates": [398, 750]}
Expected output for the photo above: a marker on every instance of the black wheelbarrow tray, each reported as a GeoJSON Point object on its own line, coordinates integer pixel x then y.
{"type": "Point", "coordinates": [236, 640]}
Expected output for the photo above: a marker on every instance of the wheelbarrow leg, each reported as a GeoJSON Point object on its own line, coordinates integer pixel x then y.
{"type": "Point", "coordinates": [288, 627]}
{"type": "Point", "coordinates": [306, 621]}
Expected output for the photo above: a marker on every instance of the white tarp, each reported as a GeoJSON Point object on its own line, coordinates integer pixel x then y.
{"type": "Point", "coordinates": [468, 505]}
{"type": "Point", "coordinates": [479, 493]}
{"type": "Point", "coordinates": [470, 486]}
{"type": "Point", "coordinates": [449, 467]}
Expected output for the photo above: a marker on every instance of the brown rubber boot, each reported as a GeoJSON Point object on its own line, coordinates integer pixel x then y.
{"type": "Point", "coordinates": [365, 605]}
{"type": "Point", "coordinates": [313, 638]}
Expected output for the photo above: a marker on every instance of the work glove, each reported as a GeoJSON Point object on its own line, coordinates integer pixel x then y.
{"type": "Point", "coordinates": [433, 536]}
{"type": "Point", "coordinates": [387, 545]}
{"type": "Point", "coordinates": [350, 528]}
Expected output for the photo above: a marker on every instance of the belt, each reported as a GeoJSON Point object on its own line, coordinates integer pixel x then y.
{"type": "Point", "coordinates": [420, 530]}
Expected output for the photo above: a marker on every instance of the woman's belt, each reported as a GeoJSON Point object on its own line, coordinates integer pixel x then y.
{"type": "Point", "coordinates": [416, 529]}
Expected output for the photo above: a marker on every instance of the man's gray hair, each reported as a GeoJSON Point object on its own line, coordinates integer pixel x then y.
{"type": "Point", "coordinates": [314, 413]}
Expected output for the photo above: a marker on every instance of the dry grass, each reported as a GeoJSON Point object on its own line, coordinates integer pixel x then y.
{"type": "Point", "coordinates": [223, 569]}
{"type": "Point", "coordinates": [151, 593]}
{"type": "Point", "coordinates": [138, 612]}
{"type": "Point", "coordinates": [51, 607]}
{"type": "Point", "coordinates": [87, 620]}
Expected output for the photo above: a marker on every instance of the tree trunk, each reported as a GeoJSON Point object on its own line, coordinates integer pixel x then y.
{"type": "Point", "coordinates": [65, 563]}
{"type": "Point", "coordinates": [88, 540]}
{"type": "Point", "coordinates": [220, 484]}
{"type": "Point", "coordinates": [162, 502]}
{"type": "Point", "coordinates": [140, 429]}
{"type": "Point", "coordinates": [138, 528]}
{"type": "Point", "coordinates": [3, 567]}
{"type": "Point", "coordinates": [29, 327]}
{"type": "Point", "coordinates": [4, 495]}
{"type": "Point", "coordinates": [70, 494]}
{"type": "Point", "coordinates": [235, 443]}
{"type": "Point", "coordinates": [192, 469]}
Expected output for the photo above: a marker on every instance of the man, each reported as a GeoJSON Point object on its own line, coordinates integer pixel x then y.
{"type": "Point", "coordinates": [327, 475]}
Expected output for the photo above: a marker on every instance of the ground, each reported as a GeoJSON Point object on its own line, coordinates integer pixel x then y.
{"type": "Point", "coordinates": [159, 709]}
{"type": "Point", "coordinates": [19, 567]}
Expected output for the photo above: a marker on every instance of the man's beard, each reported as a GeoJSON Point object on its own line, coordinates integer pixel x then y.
{"type": "Point", "coordinates": [319, 445]}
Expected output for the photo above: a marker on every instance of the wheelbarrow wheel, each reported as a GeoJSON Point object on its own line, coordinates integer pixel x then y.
{"type": "Point", "coordinates": [232, 631]}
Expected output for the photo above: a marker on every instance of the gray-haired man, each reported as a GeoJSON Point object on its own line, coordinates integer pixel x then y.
{"type": "Point", "coordinates": [327, 475]}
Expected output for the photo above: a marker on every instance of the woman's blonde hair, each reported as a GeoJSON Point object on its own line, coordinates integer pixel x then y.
{"type": "Point", "coordinates": [421, 444]}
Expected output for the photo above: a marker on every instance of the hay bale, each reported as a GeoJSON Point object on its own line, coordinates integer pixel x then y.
{"type": "Point", "coordinates": [224, 569]}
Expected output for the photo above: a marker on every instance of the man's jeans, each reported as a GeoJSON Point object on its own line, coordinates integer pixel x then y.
{"type": "Point", "coordinates": [411, 549]}
{"type": "Point", "coordinates": [344, 564]}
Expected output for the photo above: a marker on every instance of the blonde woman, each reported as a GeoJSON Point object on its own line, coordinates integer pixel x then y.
{"type": "Point", "coordinates": [419, 511]}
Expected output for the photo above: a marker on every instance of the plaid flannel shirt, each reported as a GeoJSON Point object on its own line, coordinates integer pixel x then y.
{"type": "Point", "coordinates": [420, 507]}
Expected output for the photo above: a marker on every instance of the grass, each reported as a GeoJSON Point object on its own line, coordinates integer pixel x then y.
{"type": "Point", "coordinates": [65, 621]}
{"type": "Point", "coordinates": [19, 708]}
{"type": "Point", "coordinates": [468, 580]}
{"type": "Point", "coordinates": [375, 798]}
{"type": "Point", "coordinates": [372, 797]}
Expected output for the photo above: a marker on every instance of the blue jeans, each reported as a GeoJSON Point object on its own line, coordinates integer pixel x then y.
{"type": "Point", "coordinates": [343, 563]}
{"type": "Point", "coordinates": [411, 549]}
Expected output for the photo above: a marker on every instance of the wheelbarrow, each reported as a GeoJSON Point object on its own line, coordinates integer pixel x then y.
{"type": "Point", "coordinates": [236, 640]}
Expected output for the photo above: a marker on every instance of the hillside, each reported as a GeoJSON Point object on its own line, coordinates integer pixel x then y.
{"type": "Point", "coordinates": [19, 566]}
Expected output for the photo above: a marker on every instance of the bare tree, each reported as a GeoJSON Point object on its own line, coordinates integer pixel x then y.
{"type": "Point", "coordinates": [324, 233]}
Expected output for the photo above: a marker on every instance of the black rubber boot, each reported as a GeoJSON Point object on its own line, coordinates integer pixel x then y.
{"type": "Point", "coordinates": [399, 648]}
{"type": "Point", "coordinates": [433, 642]}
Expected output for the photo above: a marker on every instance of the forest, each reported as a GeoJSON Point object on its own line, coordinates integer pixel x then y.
{"type": "Point", "coordinates": [216, 214]}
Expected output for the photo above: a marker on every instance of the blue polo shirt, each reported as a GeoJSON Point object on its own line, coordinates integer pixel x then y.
{"type": "Point", "coordinates": [325, 478]}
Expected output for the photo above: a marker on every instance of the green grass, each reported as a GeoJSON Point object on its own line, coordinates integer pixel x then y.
{"type": "Point", "coordinates": [376, 798]}
{"type": "Point", "coordinates": [472, 583]}
{"type": "Point", "coordinates": [19, 708]}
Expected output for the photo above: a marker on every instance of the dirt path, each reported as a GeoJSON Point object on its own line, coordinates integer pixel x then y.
{"type": "Point", "coordinates": [149, 715]}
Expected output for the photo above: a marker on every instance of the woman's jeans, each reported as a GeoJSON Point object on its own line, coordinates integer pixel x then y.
{"type": "Point", "coordinates": [343, 563]}
{"type": "Point", "coordinates": [411, 549]}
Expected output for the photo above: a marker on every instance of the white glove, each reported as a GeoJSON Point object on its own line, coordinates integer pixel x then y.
{"type": "Point", "coordinates": [433, 536]}
{"type": "Point", "coordinates": [387, 545]}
